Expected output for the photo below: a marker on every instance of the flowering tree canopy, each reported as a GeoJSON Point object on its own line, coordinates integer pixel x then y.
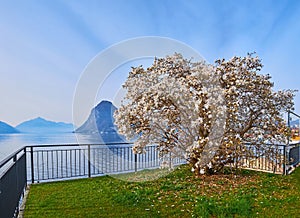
{"type": "Point", "coordinates": [201, 112]}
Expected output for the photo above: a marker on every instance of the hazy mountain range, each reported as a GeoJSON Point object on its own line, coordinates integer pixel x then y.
{"type": "Point", "coordinates": [40, 125]}
{"type": "Point", "coordinates": [100, 123]}
{"type": "Point", "coordinates": [37, 125]}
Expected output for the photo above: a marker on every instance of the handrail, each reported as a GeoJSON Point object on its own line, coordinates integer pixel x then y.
{"type": "Point", "coordinates": [10, 157]}
{"type": "Point", "coordinates": [78, 144]}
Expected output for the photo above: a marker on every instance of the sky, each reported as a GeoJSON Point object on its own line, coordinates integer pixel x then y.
{"type": "Point", "coordinates": [45, 46]}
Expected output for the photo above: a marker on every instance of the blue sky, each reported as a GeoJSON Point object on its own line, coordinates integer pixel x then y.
{"type": "Point", "coordinates": [45, 45]}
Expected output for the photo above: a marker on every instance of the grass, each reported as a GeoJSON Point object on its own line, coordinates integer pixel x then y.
{"type": "Point", "coordinates": [179, 194]}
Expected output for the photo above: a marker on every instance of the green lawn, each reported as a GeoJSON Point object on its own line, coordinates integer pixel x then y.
{"type": "Point", "coordinates": [179, 194]}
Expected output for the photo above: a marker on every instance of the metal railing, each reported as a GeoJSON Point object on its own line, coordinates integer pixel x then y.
{"type": "Point", "coordinates": [42, 163]}
{"type": "Point", "coordinates": [59, 162]}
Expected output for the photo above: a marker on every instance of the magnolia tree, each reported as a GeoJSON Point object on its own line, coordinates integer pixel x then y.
{"type": "Point", "coordinates": [201, 112]}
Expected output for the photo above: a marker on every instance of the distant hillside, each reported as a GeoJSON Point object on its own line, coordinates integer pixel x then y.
{"type": "Point", "coordinates": [101, 122]}
{"type": "Point", "coordinates": [7, 129]}
{"type": "Point", "coordinates": [40, 125]}
{"type": "Point", "coordinates": [294, 123]}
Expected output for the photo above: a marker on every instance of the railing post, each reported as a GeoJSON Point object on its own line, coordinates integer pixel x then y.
{"type": "Point", "coordinates": [32, 165]}
{"type": "Point", "coordinates": [25, 166]}
{"type": "Point", "coordinates": [89, 161]}
{"type": "Point", "coordinates": [299, 153]}
{"type": "Point", "coordinates": [284, 147]}
{"type": "Point", "coordinates": [15, 158]}
{"type": "Point", "coordinates": [170, 160]}
{"type": "Point", "coordinates": [284, 160]}
{"type": "Point", "coordinates": [135, 162]}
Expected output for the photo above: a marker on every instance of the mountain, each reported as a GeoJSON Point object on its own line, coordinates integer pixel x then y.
{"type": "Point", "coordinates": [6, 129]}
{"type": "Point", "coordinates": [40, 125]}
{"type": "Point", "coordinates": [101, 122]}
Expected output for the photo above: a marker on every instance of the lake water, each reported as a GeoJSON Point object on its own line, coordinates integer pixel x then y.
{"type": "Point", "coordinates": [10, 143]}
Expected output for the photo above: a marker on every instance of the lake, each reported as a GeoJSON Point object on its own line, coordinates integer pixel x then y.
{"type": "Point", "coordinates": [9, 143]}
